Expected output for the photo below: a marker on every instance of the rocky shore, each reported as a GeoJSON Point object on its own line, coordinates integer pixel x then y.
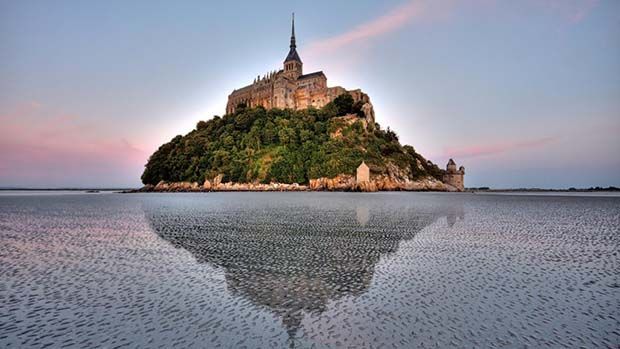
{"type": "Point", "coordinates": [338, 183]}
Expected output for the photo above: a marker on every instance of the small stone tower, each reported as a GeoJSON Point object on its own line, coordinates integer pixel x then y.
{"type": "Point", "coordinates": [453, 176]}
{"type": "Point", "coordinates": [292, 64]}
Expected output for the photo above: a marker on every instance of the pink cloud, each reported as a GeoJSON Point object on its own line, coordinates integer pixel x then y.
{"type": "Point", "coordinates": [573, 10]}
{"type": "Point", "coordinates": [40, 145]}
{"type": "Point", "coordinates": [496, 148]}
{"type": "Point", "coordinates": [386, 23]}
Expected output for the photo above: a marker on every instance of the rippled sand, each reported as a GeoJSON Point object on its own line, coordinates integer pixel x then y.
{"type": "Point", "coordinates": [248, 270]}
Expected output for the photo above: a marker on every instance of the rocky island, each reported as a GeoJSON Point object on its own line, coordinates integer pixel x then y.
{"type": "Point", "coordinates": [289, 131]}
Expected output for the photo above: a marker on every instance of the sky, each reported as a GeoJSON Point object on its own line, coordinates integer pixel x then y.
{"type": "Point", "coordinates": [522, 93]}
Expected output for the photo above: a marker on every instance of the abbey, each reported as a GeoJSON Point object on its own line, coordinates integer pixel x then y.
{"type": "Point", "coordinates": [290, 87]}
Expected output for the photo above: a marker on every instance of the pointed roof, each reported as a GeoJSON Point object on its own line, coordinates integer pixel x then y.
{"type": "Point", "coordinates": [451, 162]}
{"type": "Point", "coordinates": [292, 53]}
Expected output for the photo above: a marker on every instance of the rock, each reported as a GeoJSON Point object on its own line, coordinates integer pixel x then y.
{"type": "Point", "coordinates": [369, 112]}
{"type": "Point", "coordinates": [366, 186]}
{"type": "Point", "coordinates": [217, 180]}
{"type": "Point", "coordinates": [161, 186]}
{"type": "Point", "coordinates": [147, 188]}
{"type": "Point", "coordinates": [393, 180]}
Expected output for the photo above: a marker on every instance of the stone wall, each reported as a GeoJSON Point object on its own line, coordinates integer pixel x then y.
{"type": "Point", "coordinates": [455, 180]}
{"type": "Point", "coordinates": [275, 90]}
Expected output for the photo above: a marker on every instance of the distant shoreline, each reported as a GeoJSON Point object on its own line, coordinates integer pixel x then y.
{"type": "Point", "coordinates": [65, 189]}
{"type": "Point", "coordinates": [538, 190]}
{"type": "Point", "coordinates": [467, 190]}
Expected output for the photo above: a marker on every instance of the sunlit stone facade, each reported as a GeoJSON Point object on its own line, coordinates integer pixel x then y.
{"type": "Point", "coordinates": [289, 87]}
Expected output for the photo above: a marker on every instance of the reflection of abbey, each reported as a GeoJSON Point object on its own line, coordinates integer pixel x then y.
{"type": "Point", "coordinates": [289, 87]}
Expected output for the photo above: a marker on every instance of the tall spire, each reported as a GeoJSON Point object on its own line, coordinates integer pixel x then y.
{"type": "Point", "coordinates": [293, 45]}
{"type": "Point", "coordinates": [292, 54]}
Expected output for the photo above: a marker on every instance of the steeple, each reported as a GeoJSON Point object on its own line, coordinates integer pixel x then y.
{"type": "Point", "coordinates": [292, 53]}
{"type": "Point", "coordinates": [293, 33]}
{"type": "Point", "coordinates": [293, 67]}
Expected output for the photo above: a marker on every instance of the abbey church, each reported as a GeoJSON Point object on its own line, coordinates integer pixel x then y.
{"type": "Point", "coordinates": [289, 87]}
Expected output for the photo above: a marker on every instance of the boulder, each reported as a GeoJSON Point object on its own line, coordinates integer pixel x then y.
{"type": "Point", "coordinates": [369, 112]}
{"type": "Point", "coordinates": [217, 180]}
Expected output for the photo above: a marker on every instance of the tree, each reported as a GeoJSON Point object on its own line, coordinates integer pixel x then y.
{"type": "Point", "coordinates": [201, 125]}
{"type": "Point", "coordinates": [344, 104]}
{"type": "Point", "coordinates": [282, 145]}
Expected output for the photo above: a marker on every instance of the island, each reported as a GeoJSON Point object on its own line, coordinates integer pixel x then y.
{"type": "Point", "coordinates": [289, 131]}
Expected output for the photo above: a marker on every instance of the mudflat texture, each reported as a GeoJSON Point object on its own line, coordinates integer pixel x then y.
{"type": "Point", "coordinates": [248, 270]}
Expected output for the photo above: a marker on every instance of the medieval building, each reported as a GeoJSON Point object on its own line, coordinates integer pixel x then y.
{"type": "Point", "coordinates": [453, 176]}
{"type": "Point", "coordinates": [290, 87]}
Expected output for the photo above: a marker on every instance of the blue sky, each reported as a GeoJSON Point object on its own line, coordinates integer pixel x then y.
{"type": "Point", "coordinates": [522, 93]}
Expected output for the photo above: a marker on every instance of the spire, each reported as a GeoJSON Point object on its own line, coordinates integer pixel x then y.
{"type": "Point", "coordinates": [293, 45]}
{"type": "Point", "coordinates": [292, 54]}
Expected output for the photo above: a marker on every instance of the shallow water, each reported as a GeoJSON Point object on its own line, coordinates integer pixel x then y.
{"type": "Point", "coordinates": [249, 270]}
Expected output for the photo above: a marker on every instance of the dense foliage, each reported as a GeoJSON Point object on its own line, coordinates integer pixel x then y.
{"type": "Point", "coordinates": [283, 146]}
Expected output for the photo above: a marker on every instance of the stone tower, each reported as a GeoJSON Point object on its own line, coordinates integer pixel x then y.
{"type": "Point", "coordinates": [293, 67]}
{"type": "Point", "coordinates": [453, 176]}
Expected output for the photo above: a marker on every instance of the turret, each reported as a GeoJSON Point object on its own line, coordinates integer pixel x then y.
{"type": "Point", "coordinates": [292, 64]}
{"type": "Point", "coordinates": [453, 177]}
{"type": "Point", "coordinates": [451, 167]}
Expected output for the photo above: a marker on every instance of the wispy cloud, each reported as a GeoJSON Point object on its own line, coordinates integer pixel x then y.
{"type": "Point", "coordinates": [496, 148]}
{"type": "Point", "coordinates": [386, 23]}
{"type": "Point", "coordinates": [573, 11]}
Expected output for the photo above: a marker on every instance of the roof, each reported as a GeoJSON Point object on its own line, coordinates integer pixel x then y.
{"type": "Point", "coordinates": [451, 162]}
{"type": "Point", "coordinates": [243, 89]}
{"type": "Point", "coordinates": [292, 56]}
{"type": "Point", "coordinates": [311, 75]}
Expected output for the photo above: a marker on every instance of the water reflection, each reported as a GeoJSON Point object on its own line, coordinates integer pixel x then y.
{"type": "Point", "coordinates": [294, 258]}
{"type": "Point", "coordinates": [362, 214]}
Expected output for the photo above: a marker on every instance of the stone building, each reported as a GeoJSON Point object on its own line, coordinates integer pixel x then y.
{"type": "Point", "coordinates": [291, 88]}
{"type": "Point", "coordinates": [453, 176]}
{"type": "Point", "coordinates": [363, 173]}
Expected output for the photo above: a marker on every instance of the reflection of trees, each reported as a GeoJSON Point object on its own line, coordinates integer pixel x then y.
{"type": "Point", "coordinates": [293, 260]}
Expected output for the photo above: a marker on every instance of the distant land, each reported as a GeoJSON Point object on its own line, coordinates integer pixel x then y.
{"type": "Point", "coordinates": [477, 189]}
{"type": "Point", "coordinates": [572, 189]}
{"type": "Point", "coordinates": [62, 189]}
